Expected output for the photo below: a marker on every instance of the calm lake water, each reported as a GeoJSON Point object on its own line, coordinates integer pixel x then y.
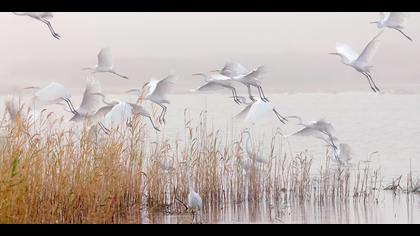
{"type": "Point", "coordinates": [386, 123]}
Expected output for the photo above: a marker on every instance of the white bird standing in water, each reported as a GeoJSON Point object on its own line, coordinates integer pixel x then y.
{"type": "Point", "coordinates": [195, 203]}
{"type": "Point", "coordinates": [359, 62]}
{"type": "Point", "coordinates": [43, 17]}
{"type": "Point", "coordinates": [253, 155]}
{"type": "Point", "coordinates": [105, 64]}
{"type": "Point", "coordinates": [54, 93]}
{"type": "Point", "coordinates": [255, 111]}
{"type": "Point", "coordinates": [392, 20]}
{"type": "Point", "coordinates": [247, 77]}
{"type": "Point", "coordinates": [91, 103]}
{"type": "Point", "coordinates": [157, 91]}
{"type": "Point", "coordinates": [217, 82]}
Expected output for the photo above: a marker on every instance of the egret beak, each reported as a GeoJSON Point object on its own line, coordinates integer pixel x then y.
{"type": "Point", "coordinates": [333, 53]}
{"type": "Point", "coordinates": [215, 71]}
{"type": "Point", "coordinates": [374, 22]}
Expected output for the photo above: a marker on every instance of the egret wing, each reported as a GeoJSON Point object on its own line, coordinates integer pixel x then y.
{"type": "Point", "coordinates": [396, 19]}
{"type": "Point", "coordinates": [53, 92]}
{"type": "Point", "coordinates": [348, 52]}
{"type": "Point", "coordinates": [164, 87]}
{"type": "Point", "coordinates": [90, 102]}
{"type": "Point", "coordinates": [105, 58]}
{"type": "Point", "coordinates": [244, 113]}
{"type": "Point", "coordinates": [369, 51]}
{"type": "Point", "coordinates": [209, 87]}
{"type": "Point", "coordinates": [233, 69]}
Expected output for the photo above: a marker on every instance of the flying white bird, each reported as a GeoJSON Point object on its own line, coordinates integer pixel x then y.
{"type": "Point", "coordinates": [105, 63]}
{"type": "Point", "coordinates": [117, 113]}
{"type": "Point", "coordinates": [255, 111]}
{"type": "Point", "coordinates": [91, 103]}
{"type": "Point", "coordinates": [392, 20]}
{"type": "Point", "coordinates": [156, 91]}
{"type": "Point", "coordinates": [343, 154]}
{"type": "Point", "coordinates": [54, 93]}
{"type": "Point", "coordinates": [359, 62]}
{"type": "Point", "coordinates": [43, 17]}
{"type": "Point", "coordinates": [247, 77]}
{"type": "Point", "coordinates": [215, 82]}
{"type": "Point", "coordinates": [320, 129]}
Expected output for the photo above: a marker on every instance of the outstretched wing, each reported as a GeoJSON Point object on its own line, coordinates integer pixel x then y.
{"type": "Point", "coordinates": [209, 87]}
{"type": "Point", "coordinates": [105, 58]}
{"type": "Point", "coordinates": [164, 87]}
{"type": "Point", "coordinates": [256, 74]}
{"type": "Point", "coordinates": [233, 69]}
{"type": "Point", "coordinates": [396, 19]}
{"type": "Point", "coordinates": [369, 51]}
{"type": "Point", "coordinates": [346, 51]}
{"type": "Point", "coordinates": [91, 102]}
{"type": "Point", "coordinates": [139, 110]}
{"type": "Point", "coordinates": [244, 113]}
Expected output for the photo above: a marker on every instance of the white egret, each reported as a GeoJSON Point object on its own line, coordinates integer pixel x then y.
{"type": "Point", "coordinates": [116, 113]}
{"type": "Point", "coordinates": [54, 93]}
{"type": "Point", "coordinates": [359, 62]}
{"type": "Point", "coordinates": [217, 82]}
{"type": "Point", "coordinates": [392, 20]}
{"type": "Point", "coordinates": [14, 110]}
{"type": "Point", "coordinates": [91, 103]}
{"type": "Point", "coordinates": [256, 110]}
{"type": "Point", "coordinates": [320, 129]}
{"type": "Point", "coordinates": [157, 91]}
{"type": "Point", "coordinates": [342, 154]}
{"type": "Point", "coordinates": [43, 17]}
{"type": "Point", "coordinates": [195, 203]}
{"type": "Point", "coordinates": [247, 77]}
{"type": "Point", "coordinates": [105, 63]}
{"type": "Point", "coordinates": [253, 155]}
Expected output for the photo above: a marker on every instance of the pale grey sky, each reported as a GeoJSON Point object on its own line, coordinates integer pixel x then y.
{"type": "Point", "coordinates": [293, 46]}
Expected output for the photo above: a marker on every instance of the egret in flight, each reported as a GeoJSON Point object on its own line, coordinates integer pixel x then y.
{"type": "Point", "coordinates": [216, 82]}
{"type": "Point", "coordinates": [256, 110]}
{"type": "Point", "coordinates": [116, 113]}
{"type": "Point", "coordinates": [247, 77]}
{"type": "Point", "coordinates": [320, 129]}
{"type": "Point", "coordinates": [43, 17]}
{"type": "Point", "coordinates": [54, 93]}
{"type": "Point", "coordinates": [156, 91]}
{"type": "Point", "coordinates": [105, 63]}
{"type": "Point", "coordinates": [392, 20]}
{"type": "Point", "coordinates": [342, 154]}
{"type": "Point", "coordinates": [90, 102]}
{"type": "Point", "coordinates": [359, 62]}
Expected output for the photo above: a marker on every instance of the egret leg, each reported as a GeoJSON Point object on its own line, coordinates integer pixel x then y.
{"type": "Point", "coordinates": [373, 82]}
{"type": "Point", "coordinates": [54, 34]}
{"type": "Point", "coordinates": [370, 83]}
{"type": "Point", "coordinates": [262, 92]}
{"type": "Point", "coordinates": [154, 126]}
{"type": "Point", "coordinates": [405, 35]}
{"type": "Point", "coordinates": [106, 130]}
{"type": "Point", "coordinates": [115, 73]}
{"type": "Point", "coordinates": [235, 96]}
{"type": "Point", "coordinates": [162, 114]}
{"type": "Point", "coordinates": [70, 105]}
{"type": "Point", "coordinates": [281, 118]}
{"type": "Point", "coordinates": [250, 93]}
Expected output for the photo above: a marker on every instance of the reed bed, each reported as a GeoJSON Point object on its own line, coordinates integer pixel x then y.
{"type": "Point", "coordinates": [80, 175]}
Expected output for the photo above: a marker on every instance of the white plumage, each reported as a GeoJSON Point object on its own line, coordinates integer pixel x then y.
{"type": "Point", "coordinates": [105, 63]}
{"type": "Point", "coordinates": [43, 17]}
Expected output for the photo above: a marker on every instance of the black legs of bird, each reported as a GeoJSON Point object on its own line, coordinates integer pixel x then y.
{"type": "Point", "coordinates": [281, 118]}
{"type": "Point", "coordinates": [262, 95]}
{"type": "Point", "coordinates": [408, 37]}
{"type": "Point", "coordinates": [235, 96]}
{"type": "Point", "coordinates": [162, 114]}
{"type": "Point", "coordinates": [371, 82]}
{"type": "Point", "coordinates": [115, 73]}
{"type": "Point", "coordinates": [250, 94]}
{"type": "Point", "coordinates": [54, 34]}
{"type": "Point", "coordinates": [70, 105]}
{"type": "Point", "coordinates": [105, 129]}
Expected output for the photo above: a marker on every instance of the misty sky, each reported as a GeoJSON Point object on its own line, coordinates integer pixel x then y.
{"type": "Point", "coordinates": [293, 46]}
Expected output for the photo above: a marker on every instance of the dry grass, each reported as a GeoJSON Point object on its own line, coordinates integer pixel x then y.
{"type": "Point", "coordinates": [48, 175]}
